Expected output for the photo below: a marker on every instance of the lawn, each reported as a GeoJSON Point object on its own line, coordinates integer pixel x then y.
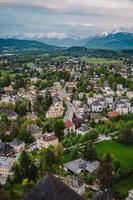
{"type": "Point", "coordinates": [66, 158]}
{"type": "Point", "coordinates": [120, 152]}
{"type": "Point", "coordinates": [101, 60]}
{"type": "Point", "coordinates": [123, 186]}
{"type": "Point", "coordinates": [19, 189]}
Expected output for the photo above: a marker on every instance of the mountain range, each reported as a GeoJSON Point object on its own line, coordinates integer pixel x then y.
{"type": "Point", "coordinates": [118, 39]}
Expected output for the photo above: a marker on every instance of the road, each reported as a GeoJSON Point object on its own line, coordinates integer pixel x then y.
{"type": "Point", "coordinates": [70, 111]}
{"type": "Point", "coordinates": [103, 138]}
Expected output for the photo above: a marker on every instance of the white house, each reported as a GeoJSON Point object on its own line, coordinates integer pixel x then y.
{"type": "Point", "coordinates": [96, 106]}
{"type": "Point", "coordinates": [130, 197]}
{"type": "Point", "coordinates": [48, 139]}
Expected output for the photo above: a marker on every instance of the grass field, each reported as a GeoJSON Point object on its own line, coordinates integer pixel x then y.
{"type": "Point", "coordinates": [122, 187]}
{"type": "Point", "coordinates": [124, 154]}
{"type": "Point", "coordinates": [19, 189]}
{"type": "Point", "coordinates": [120, 152]}
{"type": "Point", "coordinates": [101, 60]}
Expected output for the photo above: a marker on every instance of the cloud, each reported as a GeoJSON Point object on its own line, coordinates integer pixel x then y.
{"type": "Point", "coordinates": [74, 16]}
{"type": "Point", "coordinates": [66, 4]}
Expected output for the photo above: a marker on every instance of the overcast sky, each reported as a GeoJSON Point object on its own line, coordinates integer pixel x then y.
{"type": "Point", "coordinates": [80, 17]}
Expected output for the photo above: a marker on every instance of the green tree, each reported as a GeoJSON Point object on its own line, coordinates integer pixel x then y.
{"type": "Point", "coordinates": [4, 118]}
{"type": "Point", "coordinates": [111, 80]}
{"type": "Point", "coordinates": [92, 135]}
{"type": "Point", "coordinates": [47, 101]}
{"type": "Point", "coordinates": [25, 168]}
{"type": "Point", "coordinates": [25, 136]}
{"type": "Point", "coordinates": [126, 134]}
{"type": "Point", "coordinates": [75, 153]}
{"type": "Point", "coordinates": [50, 160]}
{"type": "Point", "coordinates": [58, 128]}
{"type": "Point", "coordinates": [21, 108]}
{"type": "Point", "coordinates": [3, 128]}
{"type": "Point", "coordinates": [90, 151]}
{"type": "Point", "coordinates": [106, 171]}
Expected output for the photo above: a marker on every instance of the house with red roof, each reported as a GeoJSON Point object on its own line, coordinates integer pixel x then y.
{"type": "Point", "coordinates": [69, 127]}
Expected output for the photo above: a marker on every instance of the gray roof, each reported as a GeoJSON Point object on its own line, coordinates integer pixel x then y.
{"type": "Point", "coordinates": [83, 128]}
{"type": "Point", "coordinates": [105, 195]}
{"type": "Point", "coordinates": [75, 165]}
{"type": "Point", "coordinates": [16, 142]}
{"type": "Point", "coordinates": [96, 103]}
{"type": "Point", "coordinates": [9, 113]}
{"type": "Point", "coordinates": [51, 188]}
{"type": "Point", "coordinates": [6, 161]}
{"type": "Point", "coordinates": [91, 166]}
{"type": "Point", "coordinates": [131, 191]}
{"type": "Point", "coordinates": [5, 148]}
{"type": "Point", "coordinates": [33, 128]}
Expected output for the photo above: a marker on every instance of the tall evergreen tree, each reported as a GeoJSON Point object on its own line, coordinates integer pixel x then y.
{"type": "Point", "coordinates": [106, 171]}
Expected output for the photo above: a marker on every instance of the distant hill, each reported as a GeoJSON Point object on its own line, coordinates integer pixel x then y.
{"type": "Point", "coordinates": [113, 41]}
{"type": "Point", "coordinates": [22, 45]}
{"type": "Point", "coordinates": [120, 39]}
{"type": "Point", "coordinates": [77, 50]}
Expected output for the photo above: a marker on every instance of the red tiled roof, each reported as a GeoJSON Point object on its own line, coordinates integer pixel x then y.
{"type": "Point", "coordinates": [112, 114]}
{"type": "Point", "coordinates": [68, 124]}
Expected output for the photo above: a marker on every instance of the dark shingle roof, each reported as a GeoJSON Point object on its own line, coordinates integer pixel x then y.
{"type": "Point", "coordinates": [5, 148]}
{"type": "Point", "coordinates": [105, 195]}
{"type": "Point", "coordinates": [51, 188]}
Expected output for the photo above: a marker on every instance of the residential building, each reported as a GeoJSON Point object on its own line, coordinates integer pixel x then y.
{"type": "Point", "coordinates": [51, 188]}
{"type": "Point", "coordinates": [130, 196]}
{"type": "Point", "coordinates": [130, 94]}
{"type": "Point", "coordinates": [8, 88]}
{"type": "Point", "coordinates": [69, 127]}
{"type": "Point", "coordinates": [92, 166]}
{"type": "Point", "coordinates": [75, 166]}
{"type": "Point", "coordinates": [96, 106]}
{"type": "Point", "coordinates": [6, 149]}
{"type": "Point", "coordinates": [112, 114]}
{"type": "Point", "coordinates": [47, 139]}
{"type": "Point", "coordinates": [105, 195]}
{"type": "Point", "coordinates": [18, 145]}
{"type": "Point", "coordinates": [11, 115]}
{"type": "Point", "coordinates": [6, 164]}
{"type": "Point", "coordinates": [31, 116]}
{"type": "Point", "coordinates": [55, 110]}
{"type": "Point", "coordinates": [82, 129]}
{"type": "Point", "coordinates": [35, 131]}
{"type": "Point", "coordinates": [76, 183]}
{"type": "Point", "coordinates": [79, 165]}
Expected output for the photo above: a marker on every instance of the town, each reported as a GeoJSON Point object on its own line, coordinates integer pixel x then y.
{"type": "Point", "coordinates": [70, 118]}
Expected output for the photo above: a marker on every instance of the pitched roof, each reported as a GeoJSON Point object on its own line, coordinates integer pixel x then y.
{"type": "Point", "coordinates": [33, 128]}
{"type": "Point", "coordinates": [112, 114]}
{"type": "Point", "coordinates": [105, 195]}
{"type": "Point", "coordinates": [5, 148]}
{"type": "Point", "coordinates": [49, 137]}
{"type": "Point", "coordinates": [75, 165]}
{"type": "Point", "coordinates": [9, 113]}
{"type": "Point", "coordinates": [68, 124]}
{"type": "Point", "coordinates": [51, 188]}
{"type": "Point", "coordinates": [16, 142]}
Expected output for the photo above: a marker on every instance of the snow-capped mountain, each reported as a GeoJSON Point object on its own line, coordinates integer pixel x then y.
{"type": "Point", "coordinates": [121, 29]}
{"type": "Point", "coordinates": [52, 38]}
{"type": "Point", "coordinates": [120, 38]}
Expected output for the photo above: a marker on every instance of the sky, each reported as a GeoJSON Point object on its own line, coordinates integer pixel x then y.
{"type": "Point", "coordinates": [78, 17]}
